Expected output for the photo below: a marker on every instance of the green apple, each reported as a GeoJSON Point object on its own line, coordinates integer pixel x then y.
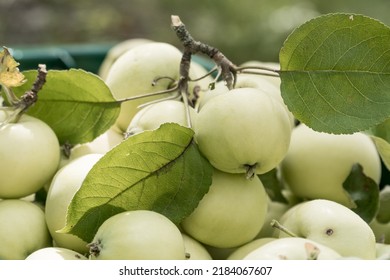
{"type": "Point", "coordinates": [383, 215]}
{"type": "Point", "coordinates": [274, 79]}
{"type": "Point", "coordinates": [293, 248]}
{"type": "Point", "coordinates": [381, 224]}
{"type": "Point", "coordinates": [247, 81]}
{"type": "Point", "coordinates": [55, 253]}
{"type": "Point", "coordinates": [116, 51]}
{"type": "Point", "coordinates": [63, 187]}
{"type": "Point", "coordinates": [100, 145]}
{"type": "Point", "coordinates": [240, 252]}
{"type": "Point", "coordinates": [30, 155]}
{"type": "Point", "coordinates": [331, 224]}
{"type": "Point", "coordinates": [381, 231]}
{"type": "Point", "coordinates": [230, 214]}
{"type": "Point", "coordinates": [317, 164]}
{"type": "Point", "coordinates": [23, 229]}
{"type": "Point", "coordinates": [243, 131]}
{"type": "Point", "coordinates": [137, 235]}
{"type": "Point", "coordinates": [243, 81]}
{"type": "Point", "coordinates": [153, 115]}
{"type": "Point", "coordinates": [382, 251]}
{"type": "Point", "coordinates": [194, 249]}
{"type": "Point", "coordinates": [134, 72]}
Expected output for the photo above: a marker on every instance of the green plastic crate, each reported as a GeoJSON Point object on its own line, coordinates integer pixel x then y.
{"type": "Point", "coordinates": [87, 57]}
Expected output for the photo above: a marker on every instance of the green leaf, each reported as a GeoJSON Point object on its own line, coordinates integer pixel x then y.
{"type": "Point", "coordinates": [160, 170]}
{"type": "Point", "coordinates": [335, 73]}
{"type": "Point", "coordinates": [364, 192]}
{"type": "Point", "coordinates": [76, 104]}
{"type": "Point", "coordinates": [380, 134]}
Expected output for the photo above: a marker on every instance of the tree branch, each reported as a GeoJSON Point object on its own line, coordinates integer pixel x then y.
{"type": "Point", "coordinates": [227, 68]}
{"type": "Point", "coordinates": [31, 96]}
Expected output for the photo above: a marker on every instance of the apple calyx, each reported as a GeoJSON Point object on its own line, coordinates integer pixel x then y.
{"type": "Point", "coordinates": [95, 248]}
{"type": "Point", "coordinates": [279, 226]}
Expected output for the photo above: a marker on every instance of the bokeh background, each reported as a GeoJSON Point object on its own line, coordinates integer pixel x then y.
{"type": "Point", "coordinates": [243, 30]}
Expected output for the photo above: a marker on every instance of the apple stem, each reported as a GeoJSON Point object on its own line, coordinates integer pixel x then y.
{"type": "Point", "coordinates": [209, 73]}
{"type": "Point", "coordinates": [265, 70]}
{"type": "Point", "coordinates": [187, 108]}
{"type": "Point", "coordinates": [250, 171]}
{"type": "Point", "coordinates": [144, 95]}
{"type": "Point", "coordinates": [279, 226]}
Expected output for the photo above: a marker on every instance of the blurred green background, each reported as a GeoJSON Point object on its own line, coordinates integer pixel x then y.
{"type": "Point", "coordinates": [243, 30]}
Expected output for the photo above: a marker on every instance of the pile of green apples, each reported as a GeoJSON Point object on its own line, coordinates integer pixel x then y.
{"type": "Point", "coordinates": [244, 133]}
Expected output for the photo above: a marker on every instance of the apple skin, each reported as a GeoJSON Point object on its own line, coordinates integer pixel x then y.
{"type": "Point", "coordinates": [137, 235]}
{"type": "Point", "coordinates": [30, 155]}
{"type": "Point", "coordinates": [116, 51]}
{"type": "Point", "coordinates": [381, 231]}
{"type": "Point", "coordinates": [243, 81]}
{"type": "Point", "coordinates": [55, 253]}
{"type": "Point", "coordinates": [100, 145]}
{"type": "Point", "coordinates": [194, 249]}
{"type": "Point", "coordinates": [63, 187]}
{"type": "Point", "coordinates": [275, 211]}
{"type": "Point", "coordinates": [22, 229]}
{"type": "Point", "coordinates": [240, 252]}
{"type": "Point", "coordinates": [266, 64]}
{"type": "Point", "coordinates": [243, 129]}
{"type": "Point", "coordinates": [154, 115]}
{"type": "Point", "coordinates": [331, 224]}
{"type": "Point", "coordinates": [247, 81]}
{"type": "Point", "coordinates": [230, 214]}
{"type": "Point", "coordinates": [291, 248]}
{"type": "Point", "coordinates": [382, 251]}
{"type": "Point", "coordinates": [317, 164]}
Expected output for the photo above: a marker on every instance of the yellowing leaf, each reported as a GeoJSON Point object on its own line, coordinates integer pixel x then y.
{"type": "Point", "coordinates": [9, 71]}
